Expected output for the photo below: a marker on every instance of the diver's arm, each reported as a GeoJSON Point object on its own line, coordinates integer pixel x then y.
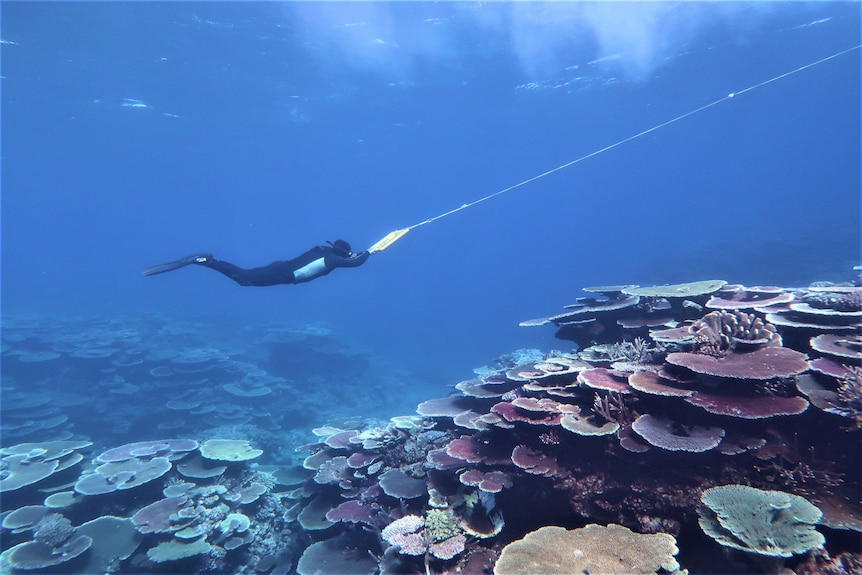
{"type": "Point", "coordinates": [336, 261]}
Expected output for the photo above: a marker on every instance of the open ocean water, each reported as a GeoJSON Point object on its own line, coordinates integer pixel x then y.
{"type": "Point", "coordinates": [672, 189]}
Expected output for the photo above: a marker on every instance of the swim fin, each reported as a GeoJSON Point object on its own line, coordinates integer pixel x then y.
{"type": "Point", "coordinates": [175, 265]}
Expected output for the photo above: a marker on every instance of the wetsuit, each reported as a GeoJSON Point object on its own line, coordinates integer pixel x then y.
{"type": "Point", "coordinates": [316, 262]}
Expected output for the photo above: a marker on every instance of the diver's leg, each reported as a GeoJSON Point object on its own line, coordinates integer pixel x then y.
{"type": "Point", "coordinates": [270, 275]}
{"type": "Point", "coordinates": [176, 264]}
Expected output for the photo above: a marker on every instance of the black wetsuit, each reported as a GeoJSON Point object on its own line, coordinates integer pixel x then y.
{"type": "Point", "coordinates": [316, 262]}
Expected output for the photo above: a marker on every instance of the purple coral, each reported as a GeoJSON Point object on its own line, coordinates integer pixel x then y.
{"type": "Point", "coordinates": [673, 436]}
{"type": "Point", "coordinates": [353, 512]}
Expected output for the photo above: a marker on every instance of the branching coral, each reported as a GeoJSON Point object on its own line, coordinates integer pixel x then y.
{"type": "Point", "coordinates": [637, 351]}
{"type": "Point", "coordinates": [800, 476]}
{"type": "Point", "coordinates": [850, 395]}
{"type": "Point", "coordinates": [613, 407]}
{"type": "Point", "coordinates": [441, 524]}
{"type": "Point", "coordinates": [795, 468]}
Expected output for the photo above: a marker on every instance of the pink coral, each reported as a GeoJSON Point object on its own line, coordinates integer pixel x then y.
{"type": "Point", "coordinates": [511, 412]}
{"type": "Point", "coordinates": [748, 407]}
{"type": "Point", "coordinates": [606, 379]}
{"type": "Point", "coordinates": [491, 482]}
{"type": "Point", "coordinates": [406, 534]}
{"type": "Point", "coordinates": [471, 450]}
{"type": "Point", "coordinates": [536, 462]}
{"type": "Point", "coordinates": [448, 548]}
{"type": "Point", "coordinates": [763, 363]}
{"type": "Point", "coordinates": [411, 538]}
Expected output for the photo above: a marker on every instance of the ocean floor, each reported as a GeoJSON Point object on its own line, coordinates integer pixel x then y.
{"type": "Point", "coordinates": [704, 427]}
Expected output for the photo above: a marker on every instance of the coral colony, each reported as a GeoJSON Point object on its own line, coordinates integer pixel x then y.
{"type": "Point", "coordinates": [700, 427]}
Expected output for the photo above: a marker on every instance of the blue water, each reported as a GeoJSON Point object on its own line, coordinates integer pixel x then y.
{"type": "Point", "coordinates": [137, 133]}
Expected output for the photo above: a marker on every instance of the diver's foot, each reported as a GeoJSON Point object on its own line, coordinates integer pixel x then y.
{"type": "Point", "coordinates": [201, 258]}
{"type": "Point", "coordinates": [177, 264]}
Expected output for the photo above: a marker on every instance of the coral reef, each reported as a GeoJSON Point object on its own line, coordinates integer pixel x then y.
{"type": "Point", "coordinates": [218, 522]}
{"type": "Point", "coordinates": [708, 426]}
{"type": "Point", "coordinates": [30, 463]}
{"type": "Point", "coordinates": [628, 433]}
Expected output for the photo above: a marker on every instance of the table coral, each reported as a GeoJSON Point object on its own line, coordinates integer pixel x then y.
{"type": "Point", "coordinates": [229, 450]}
{"type": "Point", "coordinates": [673, 436]}
{"type": "Point", "coordinates": [611, 549]}
{"type": "Point", "coordinates": [760, 364]}
{"type": "Point", "coordinates": [770, 523]}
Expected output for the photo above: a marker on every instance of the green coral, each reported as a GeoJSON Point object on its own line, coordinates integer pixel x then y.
{"type": "Point", "coordinates": [174, 550]}
{"type": "Point", "coordinates": [470, 499]}
{"type": "Point", "coordinates": [770, 523]}
{"type": "Point", "coordinates": [441, 524]}
{"type": "Point", "coordinates": [689, 289]}
{"type": "Point", "coordinates": [229, 450]}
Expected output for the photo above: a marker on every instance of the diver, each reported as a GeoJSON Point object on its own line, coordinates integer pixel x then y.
{"type": "Point", "coordinates": [316, 262]}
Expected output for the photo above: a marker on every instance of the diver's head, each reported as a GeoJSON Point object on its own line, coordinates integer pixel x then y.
{"type": "Point", "coordinates": [341, 247]}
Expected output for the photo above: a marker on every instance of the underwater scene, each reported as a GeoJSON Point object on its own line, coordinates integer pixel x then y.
{"type": "Point", "coordinates": [336, 288]}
